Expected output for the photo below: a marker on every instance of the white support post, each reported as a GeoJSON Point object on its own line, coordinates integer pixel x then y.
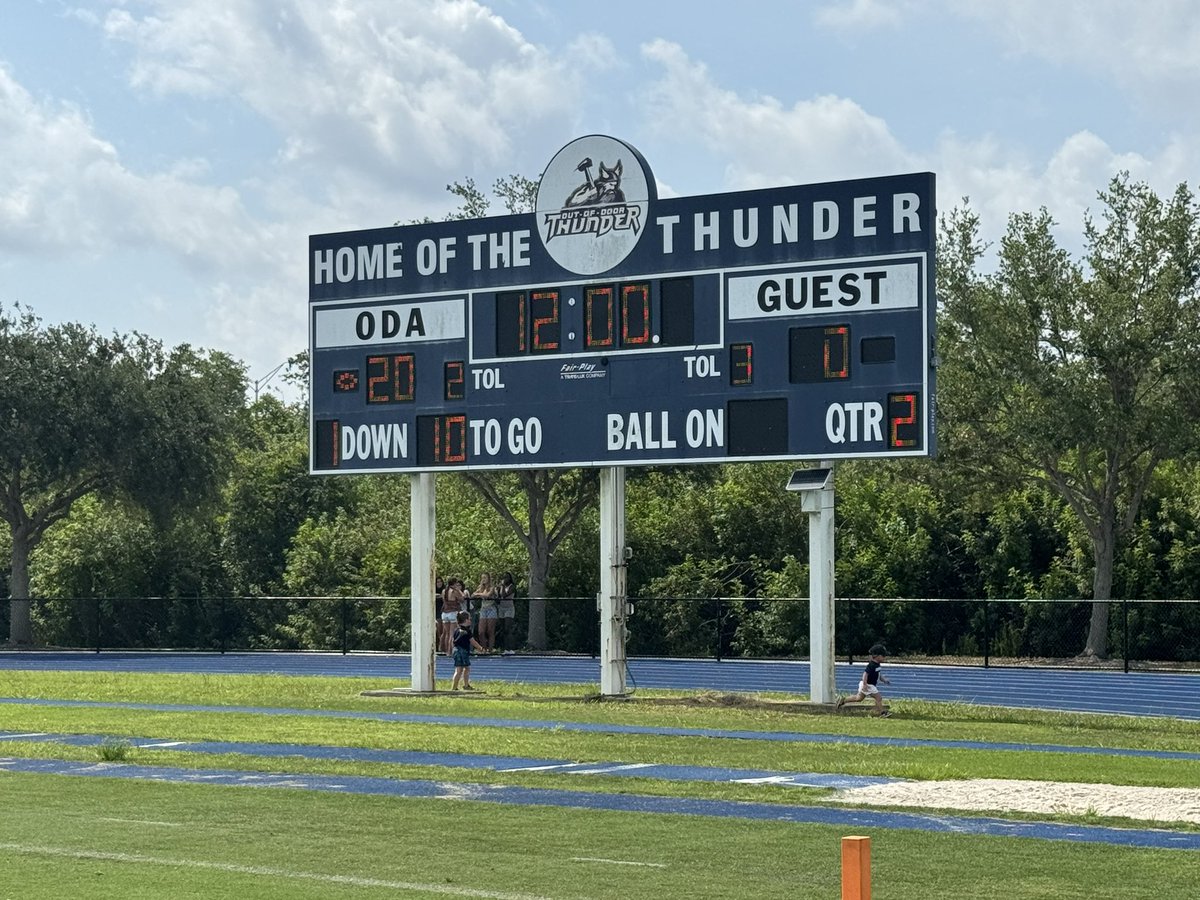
{"type": "Point", "coordinates": [423, 522]}
{"type": "Point", "coordinates": [819, 506]}
{"type": "Point", "coordinates": [613, 599]}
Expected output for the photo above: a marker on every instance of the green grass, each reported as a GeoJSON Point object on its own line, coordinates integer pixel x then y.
{"type": "Point", "coordinates": [179, 841]}
{"type": "Point", "coordinates": [86, 838]}
{"type": "Point", "coordinates": [925, 720]}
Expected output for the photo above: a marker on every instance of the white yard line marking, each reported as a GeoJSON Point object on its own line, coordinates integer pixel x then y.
{"type": "Point", "coordinates": [617, 862]}
{"type": "Point", "coordinates": [17, 737]}
{"type": "Point", "coordinates": [549, 768]}
{"type": "Point", "coordinates": [162, 744]}
{"type": "Point", "coordinates": [266, 871]}
{"type": "Point", "coordinates": [604, 770]}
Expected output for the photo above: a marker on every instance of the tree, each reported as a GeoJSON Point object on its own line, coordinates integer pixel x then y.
{"type": "Point", "coordinates": [568, 491]}
{"type": "Point", "coordinates": [545, 490]}
{"type": "Point", "coordinates": [1083, 377]}
{"type": "Point", "coordinates": [84, 414]}
{"type": "Point", "coordinates": [270, 495]}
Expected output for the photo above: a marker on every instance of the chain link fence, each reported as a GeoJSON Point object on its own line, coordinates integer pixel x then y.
{"type": "Point", "coordinates": [1141, 634]}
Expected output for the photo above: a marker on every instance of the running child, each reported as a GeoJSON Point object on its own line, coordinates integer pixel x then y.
{"type": "Point", "coordinates": [867, 686]}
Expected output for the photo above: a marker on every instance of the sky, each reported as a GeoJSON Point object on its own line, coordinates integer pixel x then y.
{"type": "Point", "coordinates": [163, 162]}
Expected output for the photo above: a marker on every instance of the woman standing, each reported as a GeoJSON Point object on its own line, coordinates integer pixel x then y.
{"type": "Point", "coordinates": [485, 596]}
{"type": "Point", "coordinates": [507, 607]}
{"type": "Point", "coordinates": [439, 589]}
{"type": "Point", "coordinates": [452, 605]}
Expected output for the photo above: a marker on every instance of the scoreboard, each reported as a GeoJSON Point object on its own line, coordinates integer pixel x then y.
{"type": "Point", "coordinates": [612, 328]}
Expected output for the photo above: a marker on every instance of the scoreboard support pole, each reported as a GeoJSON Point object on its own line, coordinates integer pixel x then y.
{"type": "Point", "coordinates": [613, 599]}
{"type": "Point", "coordinates": [423, 522]}
{"type": "Point", "coordinates": [819, 506]}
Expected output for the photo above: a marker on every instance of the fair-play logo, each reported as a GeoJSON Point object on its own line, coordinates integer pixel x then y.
{"type": "Point", "coordinates": [593, 204]}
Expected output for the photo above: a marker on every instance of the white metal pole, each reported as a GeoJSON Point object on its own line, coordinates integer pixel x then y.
{"type": "Point", "coordinates": [819, 505]}
{"type": "Point", "coordinates": [613, 599]}
{"type": "Point", "coordinates": [423, 522]}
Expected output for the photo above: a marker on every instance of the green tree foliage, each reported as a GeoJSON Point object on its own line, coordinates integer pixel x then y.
{"type": "Point", "coordinates": [270, 495]}
{"type": "Point", "coordinates": [1077, 376]}
{"type": "Point", "coordinates": [553, 500]}
{"type": "Point", "coordinates": [84, 414]}
{"type": "Point", "coordinates": [151, 581]}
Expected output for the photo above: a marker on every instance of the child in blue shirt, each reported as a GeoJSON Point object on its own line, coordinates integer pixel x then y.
{"type": "Point", "coordinates": [463, 640]}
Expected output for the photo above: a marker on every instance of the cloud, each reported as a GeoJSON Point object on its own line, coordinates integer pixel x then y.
{"type": "Point", "coordinates": [1145, 47]}
{"type": "Point", "coordinates": [860, 14]}
{"type": "Point", "coordinates": [378, 86]}
{"type": "Point", "coordinates": [373, 107]}
{"type": "Point", "coordinates": [999, 181]}
{"type": "Point", "coordinates": [64, 188]}
{"type": "Point", "coordinates": [764, 141]}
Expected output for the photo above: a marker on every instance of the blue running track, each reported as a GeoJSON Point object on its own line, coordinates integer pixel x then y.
{"type": "Point", "coordinates": [853, 819]}
{"type": "Point", "coordinates": [1135, 693]}
{"type": "Point", "coordinates": [610, 728]}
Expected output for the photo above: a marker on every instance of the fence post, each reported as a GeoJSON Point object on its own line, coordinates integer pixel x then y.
{"type": "Point", "coordinates": [987, 635]}
{"type": "Point", "coordinates": [344, 650]}
{"type": "Point", "coordinates": [97, 624]}
{"type": "Point", "coordinates": [720, 624]}
{"type": "Point", "coordinates": [221, 625]}
{"type": "Point", "coordinates": [850, 630]}
{"type": "Point", "coordinates": [595, 628]}
{"type": "Point", "coordinates": [1125, 632]}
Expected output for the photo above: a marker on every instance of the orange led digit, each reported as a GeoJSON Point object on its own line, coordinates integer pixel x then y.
{"type": "Point", "coordinates": [455, 380]}
{"type": "Point", "coordinates": [450, 439]}
{"type": "Point", "coordinates": [903, 428]}
{"type": "Point", "coordinates": [837, 351]}
{"type": "Point", "coordinates": [546, 327]}
{"type": "Point", "coordinates": [599, 317]}
{"type": "Point", "coordinates": [377, 380]}
{"type": "Point", "coordinates": [635, 314]}
{"type": "Point", "coordinates": [404, 378]}
{"type": "Point", "coordinates": [741, 363]}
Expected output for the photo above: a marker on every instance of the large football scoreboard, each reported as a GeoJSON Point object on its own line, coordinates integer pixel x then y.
{"type": "Point", "coordinates": [613, 328]}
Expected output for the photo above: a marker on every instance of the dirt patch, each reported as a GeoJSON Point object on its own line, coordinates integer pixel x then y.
{"type": "Point", "coordinates": [1150, 804]}
{"type": "Point", "coordinates": [709, 700]}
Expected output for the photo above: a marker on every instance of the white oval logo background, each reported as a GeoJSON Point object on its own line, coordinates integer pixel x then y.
{"type": "Point", "coordinates": [593, 204]}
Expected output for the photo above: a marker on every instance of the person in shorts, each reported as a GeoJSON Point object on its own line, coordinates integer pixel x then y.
{"type": "Point", "coordinates": [463, 640]}
{"type": "Point", "coordinates": [868, 686]}
{"type": "Point", "coordinates": [453, 603]}
{"type": "Point", "coordinates": [506, 609]}
{"type": "Point", "coordinates": [439, 591]}
{"type": "Point", "coordinates": [485, 596]}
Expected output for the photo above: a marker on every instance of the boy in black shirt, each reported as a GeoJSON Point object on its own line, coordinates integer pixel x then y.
{"type": "Point", "coordinates": [870, 678]}
{"type": "Point", "coordinates": [463, 640]}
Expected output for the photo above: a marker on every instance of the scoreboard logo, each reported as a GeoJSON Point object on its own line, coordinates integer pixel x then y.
{"type": "Point", "coordinates": [593, 203]}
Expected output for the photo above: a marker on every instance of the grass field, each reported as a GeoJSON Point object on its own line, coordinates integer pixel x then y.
{"type": "Point", "coordinates": [82, 837]}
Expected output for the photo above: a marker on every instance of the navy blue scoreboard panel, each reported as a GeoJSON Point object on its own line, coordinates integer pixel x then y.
{"type": "Point", "coordinates": [782, 324]}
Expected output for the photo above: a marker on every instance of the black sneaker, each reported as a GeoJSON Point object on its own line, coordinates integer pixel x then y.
{"type": "Point", "coordinates": [841, 701]}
